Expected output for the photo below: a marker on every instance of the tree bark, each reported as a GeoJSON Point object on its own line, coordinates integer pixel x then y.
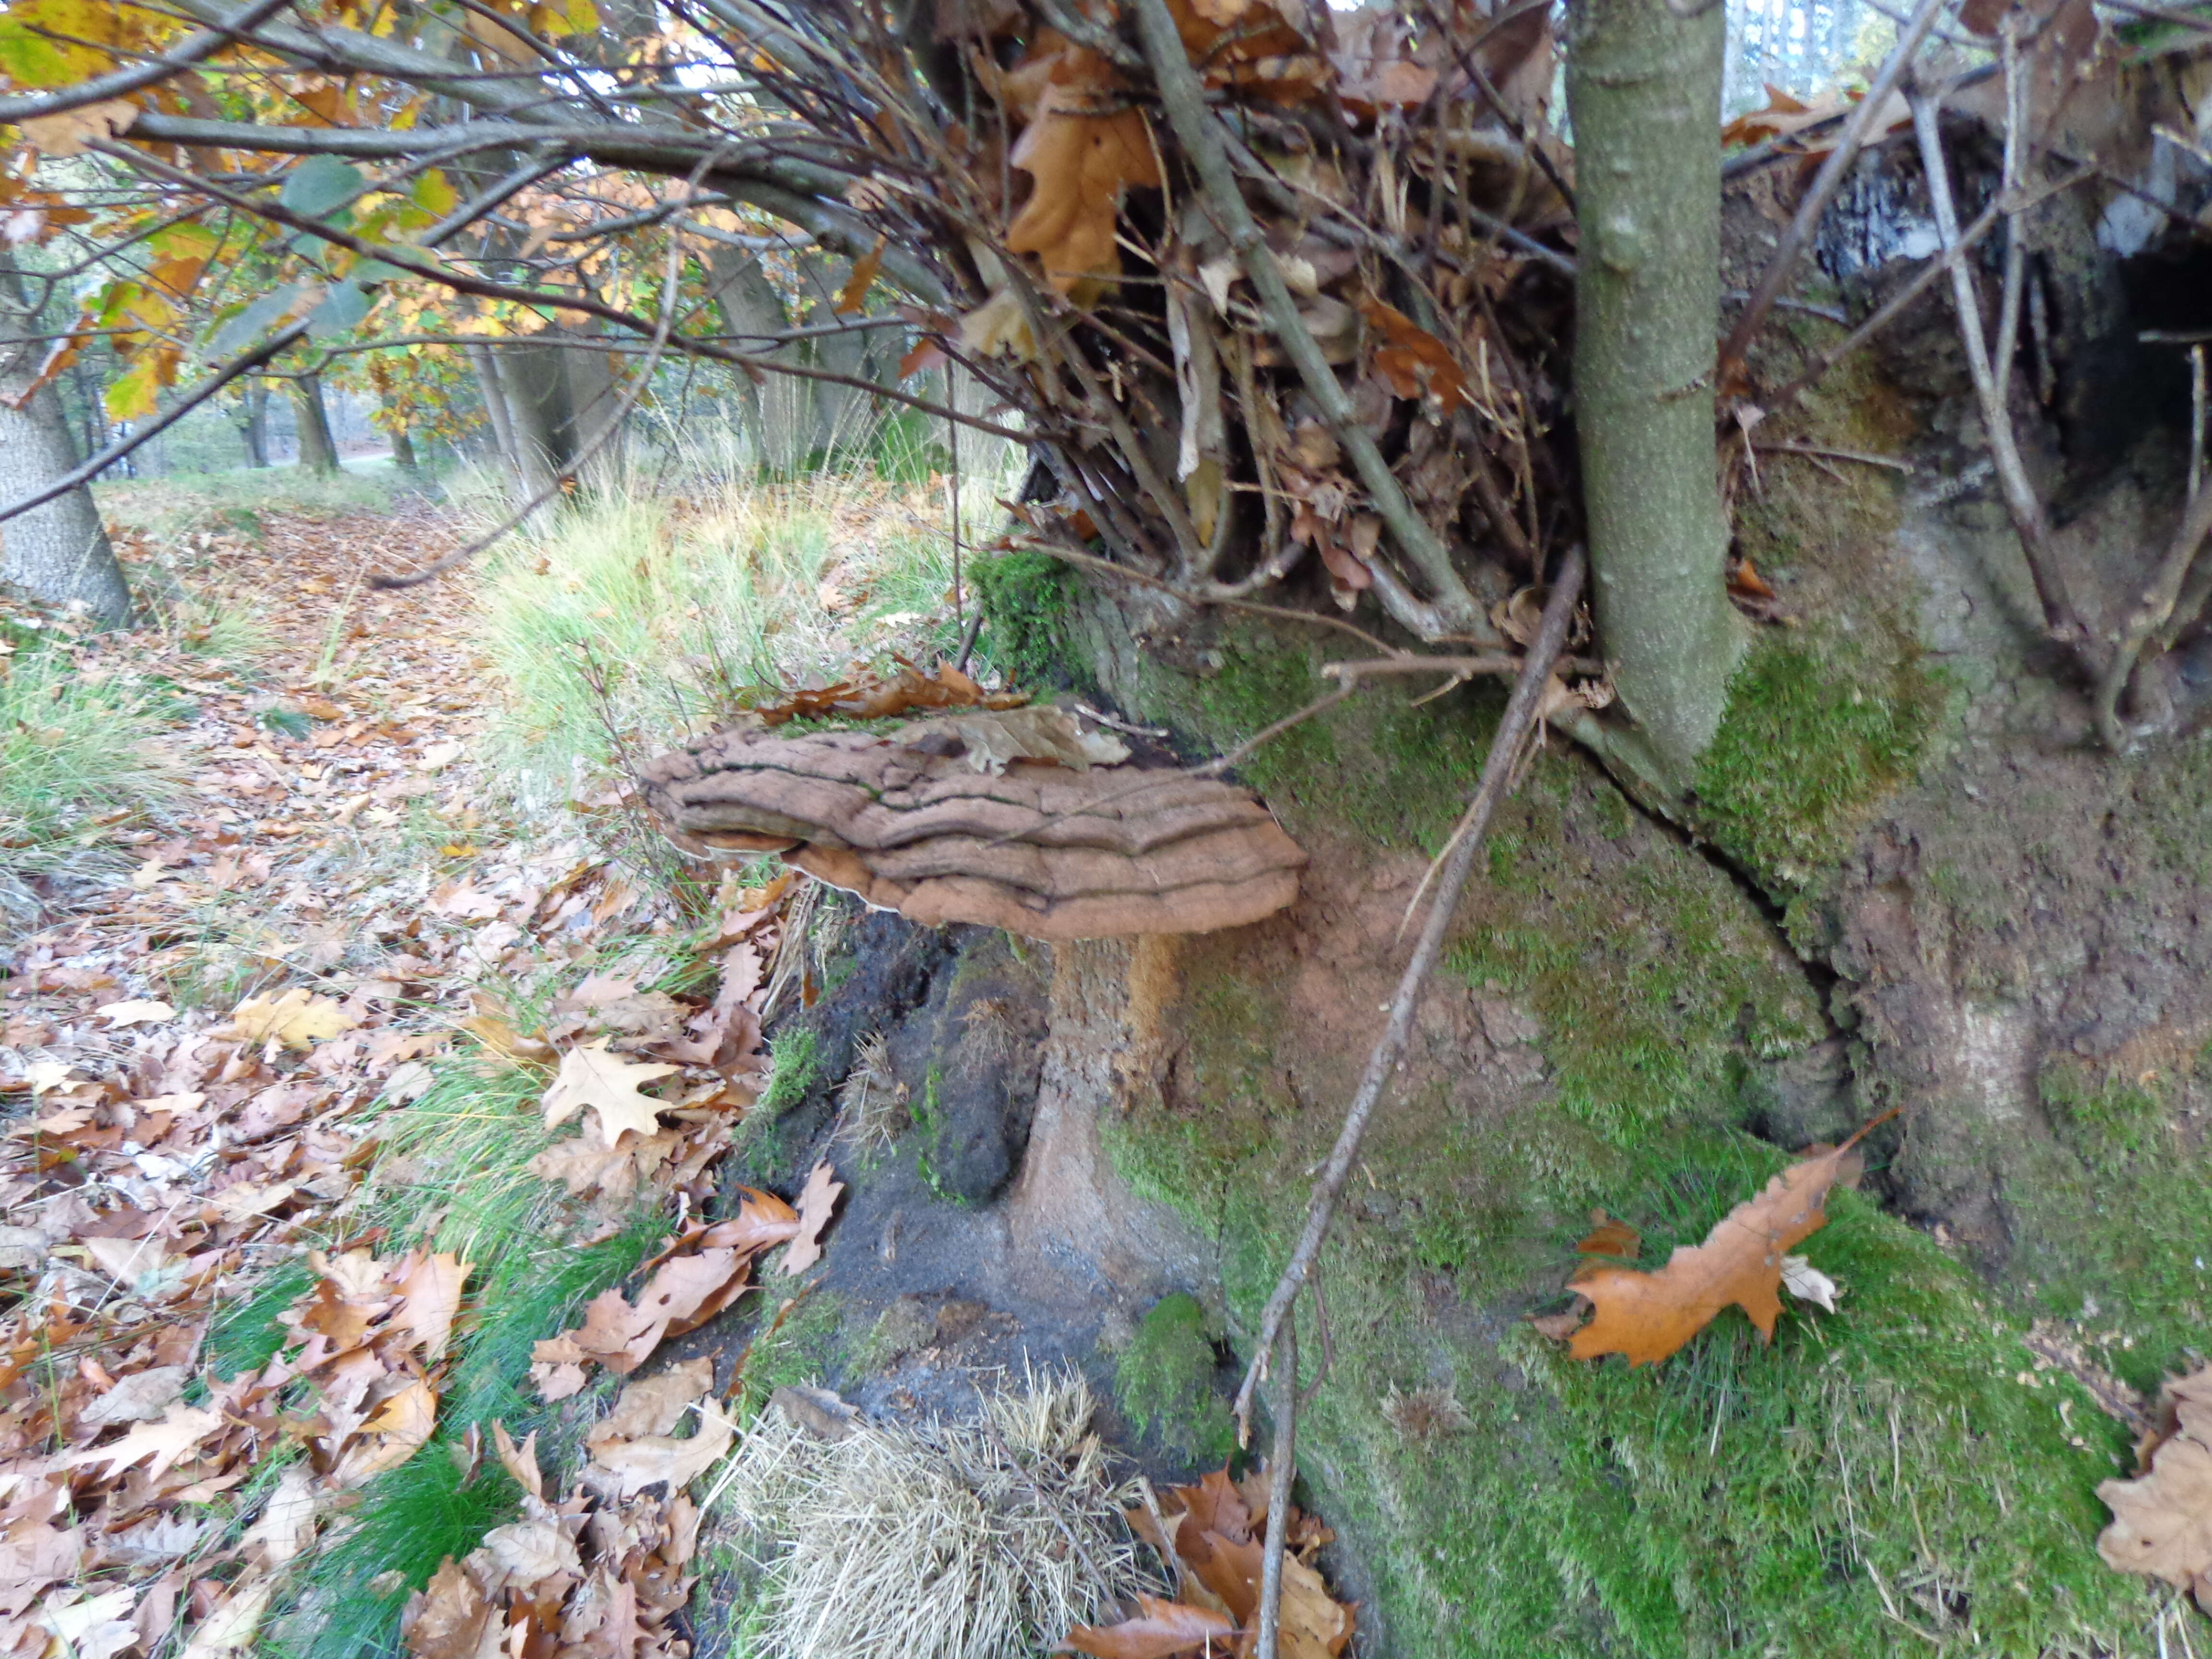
{"type": "Point", "coordinates": [318, 452]}
{"type": "Point", "coordinates": [1643, 93]}
{"type": "Point", "coordinates": [253, 422]}
{"type": "Point", "coordinates": [59, 553]}
{"type": "Point", "coordinates": [403, 450]}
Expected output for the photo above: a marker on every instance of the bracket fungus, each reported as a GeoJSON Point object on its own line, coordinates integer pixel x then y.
{"type": "Point", "coordinates": [943, 822]}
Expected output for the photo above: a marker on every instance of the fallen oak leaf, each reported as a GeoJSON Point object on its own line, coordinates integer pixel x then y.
{"type": "Point", "coordinates": [1649, 1315]}
{"type": "Point", "coordinates": [401, 1426]}
{"type": "Point", "coordinates": [166, 1442]}
{"type": "Point", "coordinates": [140, 1012]}
{"type": "Point", "coordinates": [432, 1285]}
{"type": "Point", "coordinates": [606, 1083]}
{"type": "Point", "coordinates": [2162, 1520]}
{"type": "Point", "coordinates": [654, 1405]}
{"type": "Point", "coordinates": [1161, 1630]}
{"type": "Point", "coordinates": [96, 1627]}
{"type": "Point", "coordinates": [297, 1018]}
{"type": "Point", "coordinates": [652, 1459]}
{"type": "Point", "coordinates": [815, 1201]}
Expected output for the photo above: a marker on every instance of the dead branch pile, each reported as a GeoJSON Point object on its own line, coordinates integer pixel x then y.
{"type": "Point", "coordinates": [1277, 289]}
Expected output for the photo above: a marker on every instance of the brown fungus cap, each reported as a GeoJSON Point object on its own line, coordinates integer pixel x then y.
{"type": "Point", "coordinates": [1041, 850]}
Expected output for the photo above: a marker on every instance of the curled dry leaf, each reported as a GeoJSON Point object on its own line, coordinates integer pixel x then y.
{"type": "Point", "coordinates": [1161, 1630]}
{"type": "Point", "coordinates": [652, 1459]}
{"type": "Point", "coordinates": [1649, 1315]}
{"type": "Point", "coordinates": [2162, 1520]}
{"type": "Point", "coordinates": [816, 1202]}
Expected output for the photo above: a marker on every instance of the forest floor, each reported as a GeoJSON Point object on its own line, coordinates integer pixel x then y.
{"type": "Point", "coordinates": [282, 1209]}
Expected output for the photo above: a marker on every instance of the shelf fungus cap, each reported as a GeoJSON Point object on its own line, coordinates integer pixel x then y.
{"type": "Point", "coordinates": [923, 824]}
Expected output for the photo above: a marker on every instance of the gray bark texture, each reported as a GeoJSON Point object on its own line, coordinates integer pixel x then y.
{"type": "Point", "coordinates": [318, 452]}
{"type": "Point", "coordinates": [253, 422]}
{"type": "Point", "coordinates": [59, 553]}
{"type": "Point", "coordinates": [1643, 90]}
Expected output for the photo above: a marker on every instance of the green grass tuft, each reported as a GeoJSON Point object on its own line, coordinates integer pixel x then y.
{"type": "Point", "coordinates": [75, 744]}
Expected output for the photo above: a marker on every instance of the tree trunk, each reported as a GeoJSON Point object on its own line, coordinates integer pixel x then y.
{"type": "Point", "coordinates": [58, 553]}
{"type": "Point", "coordinates": [253, 422]}
{"type": "Point", "coordinates": [403, 450]}
{"type": "Point", "coordinates": [1644, 92]}
{"type": "Point", "coordinates": [318, 452]}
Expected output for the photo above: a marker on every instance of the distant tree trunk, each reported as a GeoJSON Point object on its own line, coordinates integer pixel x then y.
{"type": "Point", "coordinates": [1643, 93]}
{"type": "Point", "coordinates": [403, 450]}
{"type": "Point", "coordinates": [253, 422]}
{"type": "Point", "coordinates": [58, 553]}
{"type": "Point", "coordinates": [318, 452]}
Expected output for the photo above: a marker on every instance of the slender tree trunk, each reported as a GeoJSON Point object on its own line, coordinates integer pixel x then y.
{"type": "Point", "coordinates": [253, 422]}
{"type": "Point", "coordinates": [318, 452]}
{"type": "Point", "coordinates": [403, 450]}
{"type": "Point", "coordinates": [1644, 92]}
{"type": "Point", "coordinates": [58, 553]}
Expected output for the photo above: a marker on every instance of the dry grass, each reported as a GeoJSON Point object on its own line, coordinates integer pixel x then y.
{"type": "Point", "coordinates": [935, 1541]}
{"type": "Point", "coordinates": [871, 1103]}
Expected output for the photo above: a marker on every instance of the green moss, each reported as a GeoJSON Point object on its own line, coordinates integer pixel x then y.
{"type": "Point", "coordinates": [794, 1067]}
{"type": "Point", "coordinates": [1164, 1381]}
{"type": "Point", "coordinates": [1815, 734]}
{"type": "Point", "coordinates": [802, 1349]}
{"type": "Point", "coordinates": [1026, 599]}
{"type": "Point", "coordinates": [2105, 1121]}
{"type": "Point", "coordinates": [1374, 764]}
{"type": "Point", "coordinates": [1737, 1498]}
{"type": "Point", "coordinates": [1650, 984]}
{"type": "Point", "coordinates": [2123, 1249]}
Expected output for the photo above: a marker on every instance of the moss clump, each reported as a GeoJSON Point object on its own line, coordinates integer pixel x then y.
{"type": "Point", "coordinates": [2105, 1121]}
{"type": "Point", "coordinates": [1653, 982]}
{"type": "Point", "coordinates": [1815, 735]}
{"type": "Point", "coordinates": [1374, 764]}
{"type": "Point", "coordinates": [1164, 1381]}
{"type": "Point", "coordinates": [794, 1067]}
{"type": "Point", "coordinates": [1025, 599]}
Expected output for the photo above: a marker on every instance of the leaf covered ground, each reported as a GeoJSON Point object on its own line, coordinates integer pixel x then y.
{"type": "Point", "coordinates": [294, 1187]}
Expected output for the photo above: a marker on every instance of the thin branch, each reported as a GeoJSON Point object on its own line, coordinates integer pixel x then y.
{"type": "Point", "coordinates": [1183, 97]}
{"type": "Point", "coordinates": [1282, 1470]}
{"type": "Point", "coordinates": [1498, 770]}
{"type": "Point", "coordinates": [1203, 596]}
{"type": "Point", "coordinates": [1826, 183]}
{"type": "Point", "coordinates": [183, 406]}
{"type": "Point", "coordinates": [2060, 621]}
{"type": "Point", "coordinates": [192, 49]}
{"type": "Point", "coordinates": [2152, 614]}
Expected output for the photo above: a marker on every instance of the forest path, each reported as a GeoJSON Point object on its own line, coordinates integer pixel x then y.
{"type": "Point", "coordinates": [207, 1037]}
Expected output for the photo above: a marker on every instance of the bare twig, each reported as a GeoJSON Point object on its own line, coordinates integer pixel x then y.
{"type": "Point", "coordinates": [1183, 98]}
{"type": "Point", "coordinates": [2015, 172]}
{"type": "Point", "coordinates": [244, 363]}
{"type": "Point", "coordinates": [1824, 453]}
{"type": "Point", "coordinates": [1281, 1471]}
{"type": "Point", "coordinates": [1205, 596]}
{"type": "Point", "coordinates": [2152, 614]}
{"type": "Point", "coordinates": [1513, 731]}
{"type": "Point", "coordinates": [2061, 623]}
{"type": "Point", "coordinates": [1856, 131]}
